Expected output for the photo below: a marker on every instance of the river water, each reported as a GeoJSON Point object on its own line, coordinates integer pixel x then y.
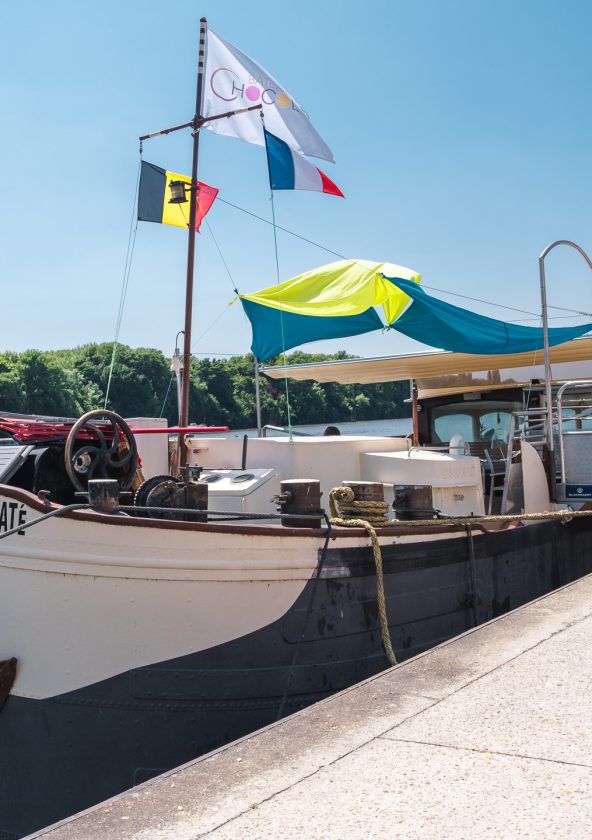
{"type": "Point", "coordinates": [394, 426]}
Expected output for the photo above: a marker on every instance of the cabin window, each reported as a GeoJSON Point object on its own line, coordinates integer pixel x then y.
{"type": "Point", "coordinates": [495, 426]}
{"type": "Point", "coordinates": [448, 425]}
{"type": "Point", "coordinates": [487, 422]}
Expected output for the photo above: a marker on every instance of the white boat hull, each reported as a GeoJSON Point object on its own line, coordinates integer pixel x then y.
{"type": "Point", "coordinates": [144, 643]}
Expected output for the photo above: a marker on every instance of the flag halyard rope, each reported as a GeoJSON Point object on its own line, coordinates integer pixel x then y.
{"type": "Point", "coordinates": [277, 270]}
{"type": "Point", "coordinates": [131, 242]}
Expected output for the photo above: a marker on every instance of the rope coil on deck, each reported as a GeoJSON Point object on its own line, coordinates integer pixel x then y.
{"type": "Point", "coordinates": [349, 513]}
{"type": "Point", "coordinates": [374, 513]}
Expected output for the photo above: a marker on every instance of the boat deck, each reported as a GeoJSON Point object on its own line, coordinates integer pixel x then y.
{"type": "Point", "coordinates": [486, 735]}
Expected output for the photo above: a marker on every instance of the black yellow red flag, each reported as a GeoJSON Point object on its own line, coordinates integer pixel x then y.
{"type": "Point", "coordinates": [154, 198]}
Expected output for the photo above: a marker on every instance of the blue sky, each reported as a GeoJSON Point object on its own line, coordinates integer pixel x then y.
{"type": "Point", "coordinates": [461, 132]}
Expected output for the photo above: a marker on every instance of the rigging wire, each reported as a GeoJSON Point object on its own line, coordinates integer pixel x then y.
{"type": "Point", "coordinates": [277, 270]}
{"type": "Point", "coordinates": [131, 243]}
{"type": "Point", "coordinates": [221, 256]}
{"type": "Point", "coordinates": [279, 227]}
{"type": "Point", "coordinates": [277, 266]}
{"type": "Point", "coordinates": [535, 316]}
{"type": "Point", "coordinates": [276, 227]}
{"type": "Point", "coordinates": [215, 321]}
{"type": "Point", "coordinates": [212, 325]}
{"type": "Point", "coordinates": [432, 288]}
{"type": "Point", "coordinates": [224, 263]}
{"type": "Point", "coordinates": [235, 290]}
{"type": "Point", "coordinates": [214, 354]}
{"type": "Point", "coordinates": [526, 398]}
{"type": "Point", "coordinates": [232, 283]}
{"type": "Point", "coordinates": [180, 206]}
{"type": "Point", "coordinates": [166, 396]}
{"type": "Point", "coordinates": [552, 318]}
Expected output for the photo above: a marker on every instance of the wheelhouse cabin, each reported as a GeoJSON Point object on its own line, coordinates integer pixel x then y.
{"type": "Point", "coordinates": [490, 407]}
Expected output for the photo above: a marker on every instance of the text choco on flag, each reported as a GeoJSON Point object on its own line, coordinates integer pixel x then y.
{"type": "Point", "coordinates": [233, 81]}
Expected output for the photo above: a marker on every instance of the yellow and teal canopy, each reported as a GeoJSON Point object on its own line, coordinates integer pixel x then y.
{"type": "Point", "coordinates": [339, 300]}
{"type": "Point", "coordinates": [332, 301]}
{"type": "Point", "coordinates": [439, 324]}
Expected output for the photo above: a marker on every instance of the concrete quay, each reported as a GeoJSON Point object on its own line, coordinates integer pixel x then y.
{"type": "Point", "coordinates": [488, 735]}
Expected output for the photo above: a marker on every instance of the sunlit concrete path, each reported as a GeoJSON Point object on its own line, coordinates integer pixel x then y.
{"type": "Point", "coordinates": [489, 735]}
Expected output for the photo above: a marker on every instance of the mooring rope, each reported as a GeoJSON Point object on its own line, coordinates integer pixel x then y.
{"type": "Point", "coordinates": [375, 513]}
{"type": "Point", "coordinates": [559, 515]}
{"type": "Point", "coordinates": [349, 513]}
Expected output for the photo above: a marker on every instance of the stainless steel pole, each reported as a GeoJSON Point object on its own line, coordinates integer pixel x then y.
{"type": "Point", "coordinates": [548, 373]}
{"type": "Point", "coordinates": [548, 382]}
{"type": "Point", "coordinates": [179, 378]}
{"type": "Point", "coordinates": [191, 240]}
{"type": "Point", "coordinates": [258, 400]}
{"type": "Point", "coordinates": [177, 368]}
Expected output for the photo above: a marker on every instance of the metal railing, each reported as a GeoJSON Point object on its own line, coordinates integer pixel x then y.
{"type": "Point", "coordinates": [544, 307]}
{"type": "Point", "coordinates": [529, 424]}
{"type": "Point", "coordinates": [581, 411]}
{"type": "Point", "coordinates": [285, 430]}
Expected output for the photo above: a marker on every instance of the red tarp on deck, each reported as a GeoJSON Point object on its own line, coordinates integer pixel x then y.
{"type": "Point", "coordinates": [30, 431]}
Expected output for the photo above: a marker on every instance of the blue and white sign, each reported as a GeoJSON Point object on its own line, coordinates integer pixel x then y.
{"type": "Point", "coordinates": [578, 491]}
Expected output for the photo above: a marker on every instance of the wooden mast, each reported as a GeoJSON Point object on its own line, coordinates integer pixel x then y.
{"type": "Point", "coordinates": [195, 124]}
{"type": "Point", "coordinates": [197, 119]}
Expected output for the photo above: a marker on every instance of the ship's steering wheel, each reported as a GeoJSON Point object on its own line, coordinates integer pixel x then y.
{"type": "Point", "coordinates": [116, 458]}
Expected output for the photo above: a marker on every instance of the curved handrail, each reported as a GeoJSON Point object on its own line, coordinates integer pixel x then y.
{"type": "Point", "coordinates": [285, 429]}
{"type": "Point", "coordinates": [548, 375]}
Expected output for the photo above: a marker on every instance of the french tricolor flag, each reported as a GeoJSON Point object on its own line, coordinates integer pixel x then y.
{"type": "Point", "coordinates": [290, 170]}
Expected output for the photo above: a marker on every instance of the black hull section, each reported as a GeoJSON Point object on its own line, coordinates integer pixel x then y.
{"type": "Point", "coordinates": [61, 755]}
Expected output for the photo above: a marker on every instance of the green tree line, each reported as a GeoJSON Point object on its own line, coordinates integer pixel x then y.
{"type": "Point", "coordinates": [67, 383]}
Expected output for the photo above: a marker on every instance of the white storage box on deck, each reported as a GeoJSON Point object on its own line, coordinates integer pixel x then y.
{"type": "Point", "coordinates": [242, 491]}
{"type": "Point", "coordinates": [328, 459]}
{"type": "Point", "coordinates": [457, 488]}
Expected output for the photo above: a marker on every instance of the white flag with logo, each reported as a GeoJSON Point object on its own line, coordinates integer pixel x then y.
{"type": "Point", "coordinates": [232, 80]}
